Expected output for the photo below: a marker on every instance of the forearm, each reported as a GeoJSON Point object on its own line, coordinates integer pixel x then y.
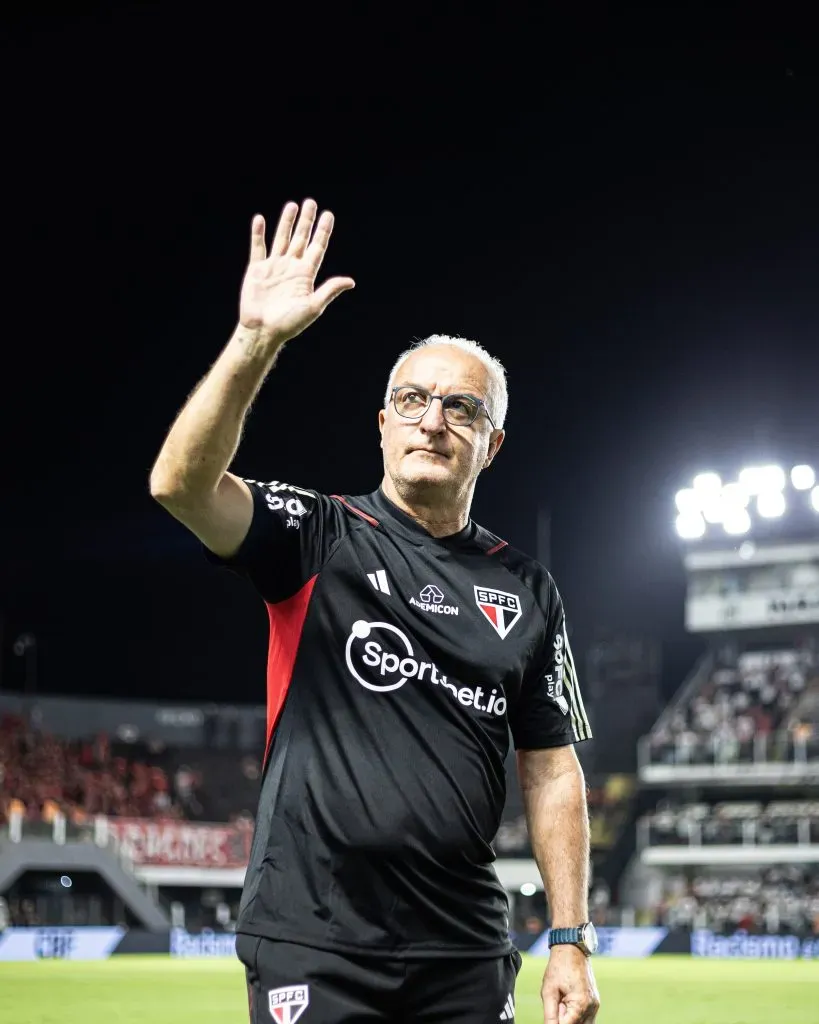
{"type": "Point", "coordinates": [202, 442]}
{"type": "Point", "coordinates": [558, 821]}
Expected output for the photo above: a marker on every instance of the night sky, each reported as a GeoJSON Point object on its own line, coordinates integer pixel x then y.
{"type": "Point", "coordinates": [627, 217]}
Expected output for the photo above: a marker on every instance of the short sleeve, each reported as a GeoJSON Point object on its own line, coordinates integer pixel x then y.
{"type": "Point", "coordinates": [291, 535]}
{"type": "Point", "coordinates": [549, 711]}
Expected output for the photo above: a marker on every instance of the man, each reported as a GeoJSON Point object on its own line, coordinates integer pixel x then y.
{"type": "Point", "coordinates": [405, 642]}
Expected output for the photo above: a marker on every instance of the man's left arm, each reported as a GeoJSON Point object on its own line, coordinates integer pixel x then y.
{"type": "Point", "coordinates": [548, 718]}
{"type": "Point", "coordinates": [554, 797]}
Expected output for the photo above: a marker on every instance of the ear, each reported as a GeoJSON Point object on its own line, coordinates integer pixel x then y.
{"type": "Point", "coordinates": [381, 417]}
{"type": "Point", "coordinates": [495, 443]}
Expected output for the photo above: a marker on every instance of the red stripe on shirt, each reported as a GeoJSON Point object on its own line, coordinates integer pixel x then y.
{"type": "Point", "coordinates": [286, 625]}
{"type": "Point", "coordinates": [358, 512]}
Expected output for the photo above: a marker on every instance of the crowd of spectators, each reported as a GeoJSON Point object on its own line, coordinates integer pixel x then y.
{"type": "Point", "coordinates": [759, 705]}
{"type": "Point", "coordinates": [780, 900]}
{"type": "Point", "coordinates": [730, 822]}
{"type": "Point", "coordinates": [42, 776]}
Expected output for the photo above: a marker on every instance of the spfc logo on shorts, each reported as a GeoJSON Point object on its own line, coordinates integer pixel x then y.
{"type": "Point", "coordinates": [289, 1003]}
{"type": "Point", "coordinates": [501, 609]}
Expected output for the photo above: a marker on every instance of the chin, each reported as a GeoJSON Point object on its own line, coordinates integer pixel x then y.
{"type": "Point", "coordinates": [429, 474]}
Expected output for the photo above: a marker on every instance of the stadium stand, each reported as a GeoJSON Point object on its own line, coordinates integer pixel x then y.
{"type": "Point", "coordinates": [729, 846]}
{"type": "Point", "coordinates": [780, 900]}
{"type": "Point", "coordinates": [732, 822]}
{"type": "Point", "coordinates": [753, 705]}
{"type": "Point", "coordinates": [42, 776]}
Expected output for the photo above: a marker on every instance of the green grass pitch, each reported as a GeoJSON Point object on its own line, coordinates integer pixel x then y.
{"type": "Point", "coordinates": [158, 990]}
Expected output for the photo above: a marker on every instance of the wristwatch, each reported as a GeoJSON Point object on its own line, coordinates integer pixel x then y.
{"type": "Point", "coordinates": [583, 936]}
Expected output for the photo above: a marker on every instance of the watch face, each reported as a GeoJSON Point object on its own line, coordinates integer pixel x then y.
{"type": "Point", "coordinates": [590, 937]}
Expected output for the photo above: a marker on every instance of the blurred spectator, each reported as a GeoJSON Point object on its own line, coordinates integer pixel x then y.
{"type": "Point", "coordinates": [756, 706]}
{"type": "Point", "coordinates": [42, 776]}
{"type": "Point", "coordinates": [785, 822]}
{"type": "Point", "coordinates": [781, 900]}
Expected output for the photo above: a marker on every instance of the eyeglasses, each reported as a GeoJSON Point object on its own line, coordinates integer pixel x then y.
{"type": "Point", "coordinates": [460, 410]}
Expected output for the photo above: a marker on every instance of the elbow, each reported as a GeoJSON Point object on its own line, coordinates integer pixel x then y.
{"type": "Point", "coordinates": [163, 488]}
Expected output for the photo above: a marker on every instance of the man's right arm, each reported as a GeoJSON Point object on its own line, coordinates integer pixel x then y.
{"type": "Point", "coordinates": [278, 301]}
{"type": "Point", "coordinates": [190, 477]}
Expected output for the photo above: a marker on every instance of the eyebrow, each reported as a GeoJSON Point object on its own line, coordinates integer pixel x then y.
{"type": "Point", "coordinates": [465, 394]}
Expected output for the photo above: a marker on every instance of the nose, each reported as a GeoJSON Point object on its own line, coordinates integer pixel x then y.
{"type": "Point", "coordinates": [433, 422]}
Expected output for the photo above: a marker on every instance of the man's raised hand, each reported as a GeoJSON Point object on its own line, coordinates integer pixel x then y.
{"type": "Point", "coordinates": [279, 298]}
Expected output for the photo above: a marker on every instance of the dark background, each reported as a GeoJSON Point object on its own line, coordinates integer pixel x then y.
{"type": "Point", "coordinates": [620, 204]}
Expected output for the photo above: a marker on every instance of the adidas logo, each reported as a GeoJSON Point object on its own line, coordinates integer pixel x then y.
{"type": "Point", "coordinates": [508, 1012]}
{"type": "Point", "coordinates": [379, 581]}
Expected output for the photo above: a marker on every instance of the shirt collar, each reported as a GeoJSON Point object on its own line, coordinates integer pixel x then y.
{"type": "Point", "coordinates": [405, 524]}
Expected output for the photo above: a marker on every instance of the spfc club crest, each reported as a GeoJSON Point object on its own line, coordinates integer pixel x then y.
{"type": "Point", "coordinates": [289, 1003]}
{"type": "Point", "coordinates": [501, 609]}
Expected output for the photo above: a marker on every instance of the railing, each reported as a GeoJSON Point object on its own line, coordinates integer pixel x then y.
{"type": "Point", "coordinates": [803, 831]}
{"type": "Point", "coordinates": [779, 748]}
{"type": "Point", "coordinates": [140, 842]}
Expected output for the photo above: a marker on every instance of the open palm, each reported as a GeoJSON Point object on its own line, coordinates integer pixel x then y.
{"type": "Point", "coordinates": [279, 295]}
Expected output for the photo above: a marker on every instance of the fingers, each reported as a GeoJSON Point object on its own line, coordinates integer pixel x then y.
{"type": "Point", "coordinates": [574, 1013]}
{"type": "Point", "coordinates": [330, 290]}
{"type": "Point", "coordinates": [551, 1007]}
{"type": "Point", "coordinates": [298, 243]}
{"type": "Point", "coordinates": [257, 246]}
{"type": "Point", "coordinates": [284, 229]}
{"type": "Point", "coordinates": [304, 228]}
{"type": "Point", "coordinates": [321, 238]}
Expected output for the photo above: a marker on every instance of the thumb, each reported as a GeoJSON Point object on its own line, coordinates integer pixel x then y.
{"type": "Point", "coordinates": [330, 290]}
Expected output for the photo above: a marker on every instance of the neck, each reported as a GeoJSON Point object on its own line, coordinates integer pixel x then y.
{"type": "Point", "coordinates": [438, 514]}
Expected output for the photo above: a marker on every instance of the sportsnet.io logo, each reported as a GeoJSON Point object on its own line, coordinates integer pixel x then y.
{"type": "Point", "coordinates": [381, 658]}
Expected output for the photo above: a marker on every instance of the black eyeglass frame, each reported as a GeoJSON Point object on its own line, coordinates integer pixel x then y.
{"type": "Point", "coordinates": [442, 398]}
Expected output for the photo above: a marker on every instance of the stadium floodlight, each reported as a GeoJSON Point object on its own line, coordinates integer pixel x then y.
{"type": "Point", "coordinates": [756, 479]}
{"type": "Point", "coordinates": [803, 477]}
{"type": "Point", "coordinates": [735, 496]}
{"type": "Point", "coordinates": [736, 521]}
{"type": "Point", "coordinates": [690, 525]}
{"type": "Point", "coordinates": [771, 504]}
{"type": "Point", "coordinates": [712, 508]}
{"type": "Point", "coordinates": [739, 504]}
{"type": "Point", "coordinates": [707, 483]}
{"type": "Point", "coordinates": [687, 501]}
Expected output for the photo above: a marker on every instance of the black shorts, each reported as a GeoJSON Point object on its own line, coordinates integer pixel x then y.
{"type": "Point", "coordinates": [288, 983]}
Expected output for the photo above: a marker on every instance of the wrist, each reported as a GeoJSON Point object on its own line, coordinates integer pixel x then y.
{"type": "Point", "coordinates": [257, 343]}
{"type": "Point", "coordinates": [568, 949]}
{"type": "Point", "coordinates": [582, 937]}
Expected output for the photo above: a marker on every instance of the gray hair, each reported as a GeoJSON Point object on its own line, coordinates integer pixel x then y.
{"type": "Point", "coordinates": [498, 397]}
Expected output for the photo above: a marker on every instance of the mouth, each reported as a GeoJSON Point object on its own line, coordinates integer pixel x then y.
{"type": "Point", "coordinates": [427, 451]}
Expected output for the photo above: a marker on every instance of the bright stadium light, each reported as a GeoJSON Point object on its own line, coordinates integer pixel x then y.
{"type": "Point", "coordinates": [771, 504]}
{"type": "Point", "coordinates": [690, 525]}
{"type": "Point", "coordinates": [803, 477]}
{"type": "Point", "coordinates": [735, 496]}
{"type": "Point", "coordinates": [736, 522]}
{"type": "Point", "coordinates": [707, 483]}
{"type": "Point", "coordinates": [687, 501]}
{"type": "Point", "coordinates": [713, 509]}
{"type": "Point", "coordinates": [814, 498]}
{"type": "Point", "coordinates": [528, 889]}
{"type": "Point", "coordinates": [756, 479]}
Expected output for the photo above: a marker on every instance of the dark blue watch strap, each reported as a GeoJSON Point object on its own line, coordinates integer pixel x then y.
{"type": "Point", "coordinates": [564, 936]}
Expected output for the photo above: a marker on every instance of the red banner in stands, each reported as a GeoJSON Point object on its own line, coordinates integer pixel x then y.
{"type": "Point", "coordinates": [181, 844]}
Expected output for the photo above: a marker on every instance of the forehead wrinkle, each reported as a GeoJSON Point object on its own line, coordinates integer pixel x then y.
{"type": "Point", "coordinates": [453, 389]}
